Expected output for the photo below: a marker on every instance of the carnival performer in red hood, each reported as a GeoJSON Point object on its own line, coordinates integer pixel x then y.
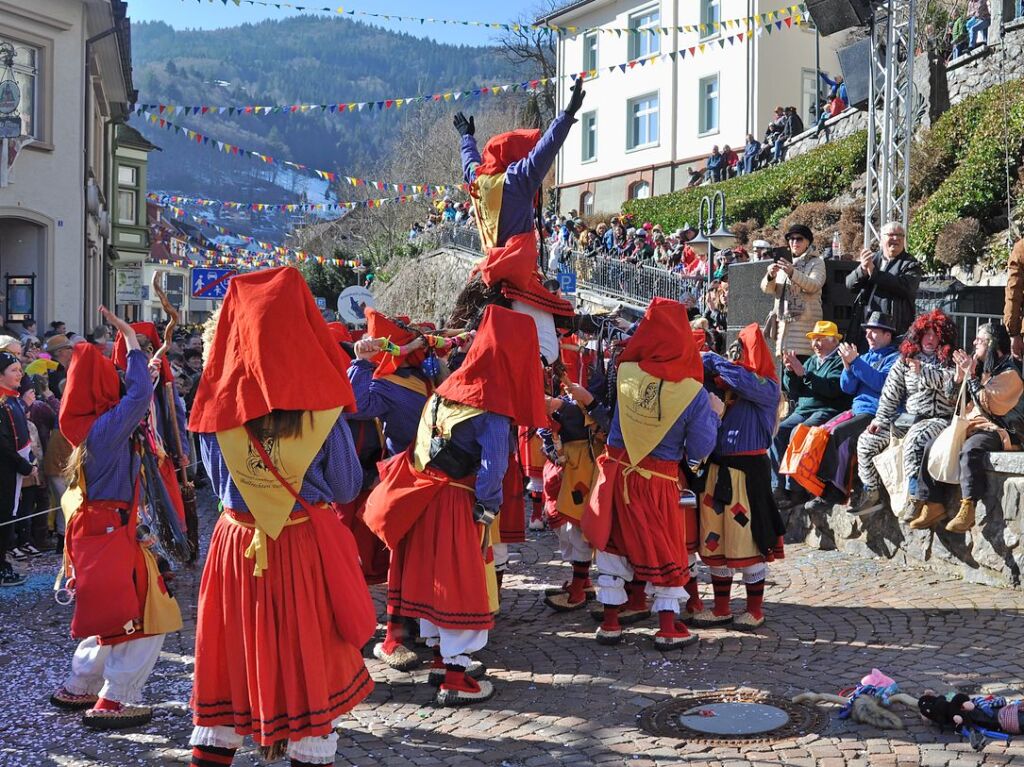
{"type": "Point", "coordinates": [740, 526]}
{"type": "Point", "coordinates": [435, 502]}
{"type": "Point", "coordinates": [122, 606]}
{"type": "Point", "coordinates": [505, 182]}
{"type": "Point", "coordinates": [283, 607]}
{"type": "Point", "coordinates": [662, 416]}
{"type": "Point", "coordinates": [173, 444]}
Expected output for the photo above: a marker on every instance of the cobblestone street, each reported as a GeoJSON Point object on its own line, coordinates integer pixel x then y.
{"type": "Point", "coordinates": [563, 699]}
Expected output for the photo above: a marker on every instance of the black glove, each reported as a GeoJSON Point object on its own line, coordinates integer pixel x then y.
{"type": "Point", "coordinates": [463, 126]}
{"type": "Point", "coordinates": [482, 515]}
{"type": "Point", "coordinates": [576, 99]}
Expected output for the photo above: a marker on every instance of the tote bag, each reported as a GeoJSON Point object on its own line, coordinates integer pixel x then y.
{"type": "Point", "coordinates": [944, 456]}
{"type": "Point", "coordinates": [890, 466]}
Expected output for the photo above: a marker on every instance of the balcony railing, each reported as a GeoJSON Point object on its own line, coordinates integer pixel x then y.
{"type": "Point", "coordinates": [603, 275]}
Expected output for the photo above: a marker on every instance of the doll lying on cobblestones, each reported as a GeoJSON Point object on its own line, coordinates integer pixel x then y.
{"type": "Point", "coordinates": [979, 718]}
{"type": "Point", "coordinates": [867, 703]}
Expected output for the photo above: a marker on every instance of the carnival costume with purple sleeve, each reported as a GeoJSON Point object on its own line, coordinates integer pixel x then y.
{"type": "Point", "coordinates": [283, 606]}
{"type": "Point", "coordinates": [740, 525]}
{"type": "Point", "coordinates": [101, 507]}
{"type": "Point", "coordinates": [436, 500]}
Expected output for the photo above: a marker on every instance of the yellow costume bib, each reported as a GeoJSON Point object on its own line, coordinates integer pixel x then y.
{"type": "Point", "coordinates": [649, 407]}
{"type": "Point", "coordinates": [270, 502]}
{"type": "Point", "coordinates": [488, 191]}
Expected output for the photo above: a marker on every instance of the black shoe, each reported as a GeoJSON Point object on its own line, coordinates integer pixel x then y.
{"type": "Point", "coordinates": [10, 578]}
{"type": "Point", "coordinates": [818, 505]}
{"type": "Point", "coordinates": [18, 554]}
{"type": "Point", "coordinates": [31, 550]}
{"type": "Point", "coordinates": [865, 501]}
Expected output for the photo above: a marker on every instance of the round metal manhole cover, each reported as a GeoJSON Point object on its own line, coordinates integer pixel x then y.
{"type": "Point", "coordinates": [732, 716]}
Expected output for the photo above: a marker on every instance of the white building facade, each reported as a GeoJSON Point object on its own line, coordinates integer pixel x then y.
{"type": "Point", "coordinates": [73, 72]}
{"type": "Point", "coordinates": [640, 129]}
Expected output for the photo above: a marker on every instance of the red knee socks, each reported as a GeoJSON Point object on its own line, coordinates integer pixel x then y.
{"type": "Point", "coordinates": [669, 626]}
{"type": "Point", "coordinates": [455, 678]}
{"type": "Point", "coordinates": [394, 635]}
{"type": "Point", "coordinates": [211, 756]}
{"type": "Point", "coordinates": [723, 589]}
{"type": "Point", "coordinates": [694, 603]}
{"type": "Point", "coordinates": [637, 595]}
{"type": "Point", "coordinates": [611, 618]}
{"type": "Point", "coordinates": [755, 599]}
{"type": "Point", "coordinates": [537, 505]}
{"type": "Point", "coordinates": [580, 573]}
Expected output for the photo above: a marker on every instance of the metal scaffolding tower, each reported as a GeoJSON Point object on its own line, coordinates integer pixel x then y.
{"type": "Point", "coordinates": [892, 115]}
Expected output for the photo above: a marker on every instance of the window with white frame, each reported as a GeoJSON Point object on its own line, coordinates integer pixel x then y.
{"type": "Point", "coordinates": [590, 51]}
{"type": "Point", "coordinates": [642, 115]}
{"type": "Point", "coordinates": [589, 136]}
{"type": "Point", "coordinates": [587, 204]}
{"type": "Point", "coordinates": [127, 194]}
{"type": "Point", "coordinates": [710, 15]}
{"type": "Point", "coordinates": [643, 37]}
{"type": "Point", "coordinates": [640, 190]}
{"type": "Point", "coordinates": [708, 98]}
{"type": "Point", "coordinates": [25, 73]}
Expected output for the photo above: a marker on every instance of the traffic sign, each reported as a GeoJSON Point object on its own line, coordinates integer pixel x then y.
{"type": "Point", "coordinates": [211, 283]}
{"type": "Point", "coordinates": [567, 282]}
{"type": "Point", "coordinates": [321, 303]}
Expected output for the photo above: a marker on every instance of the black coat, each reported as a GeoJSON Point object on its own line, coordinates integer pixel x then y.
{"type": "Point", "coordinates": [11, 464]}
{"type": "Point", "coordinates": [890, 288]}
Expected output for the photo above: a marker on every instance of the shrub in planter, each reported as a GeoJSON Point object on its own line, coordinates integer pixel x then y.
{"type": "Point", "coordinates": [960, 243]}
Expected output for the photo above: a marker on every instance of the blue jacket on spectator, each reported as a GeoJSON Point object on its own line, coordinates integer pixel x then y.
{"type": "Point", "coordinates": [609, 241]}
{"type": "Point", "coordinates": [714, 161]}
{"type": "Point", "coordinates": [865, 378]}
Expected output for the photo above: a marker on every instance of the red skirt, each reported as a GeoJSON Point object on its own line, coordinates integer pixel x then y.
{"type": "Point", "coordinates": [512, 519]}
{"type": "Point", "coordinates": [279, 657]}
{"type": "Point", "coordinates": [437, 570]}
{"type": "Point", "coordinates": [373, 554]}
{"type": "Point", "coordinates": [649, 530]}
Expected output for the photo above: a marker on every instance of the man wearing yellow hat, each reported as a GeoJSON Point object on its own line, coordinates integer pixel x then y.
{"type": "Point", "coordinates": [815, 386]}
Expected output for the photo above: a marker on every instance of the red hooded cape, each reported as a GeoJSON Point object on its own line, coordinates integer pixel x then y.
{"type": "Point", "coordinates": [663, 344]}
{"type": "Point", "coordinates": [272, 351]}
{"type": "Point", "coordinates": [502, 371]}
{"type": "Point", "coordinates": [147, 329]}
{"type": "Point", "coordinates": [381, 326]}
{"type": "Point", "coordinates": [504, 149]}
{"type": "Point", "coordinates": [515, 265]}
{"type": "Point", "coordinates": [757, 357]}
{"type": "Point", "coordinates": [93, 387]}
{"type": "Point", "coordinates": [339, 332]}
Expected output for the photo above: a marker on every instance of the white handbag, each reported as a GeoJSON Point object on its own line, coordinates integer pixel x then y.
{"type": "Point", "coordinates": [890, 467]}
{"type": "Point", "coordinates": [944, 455]}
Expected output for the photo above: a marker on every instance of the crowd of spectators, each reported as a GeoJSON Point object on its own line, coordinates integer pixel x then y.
{"type": "Point", "coordinates": [33, 452]}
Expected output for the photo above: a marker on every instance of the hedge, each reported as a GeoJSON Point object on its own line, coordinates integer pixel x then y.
{"type": "Point", "coordinates": [819, 175]}
{"type": "Point", "coordinates": [973, 134]}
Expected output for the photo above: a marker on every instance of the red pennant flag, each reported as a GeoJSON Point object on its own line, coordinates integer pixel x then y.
{"type": "Point", "coordinates": [389, 103]}
{"type": "Point", "coordinates": [789, 22]}
{"type": "Point", "coordinates": [740, 36]}
{"type": "Point", "coordinates": [693, 50]}
{"type": "Point", "coordinates": [205, 110]}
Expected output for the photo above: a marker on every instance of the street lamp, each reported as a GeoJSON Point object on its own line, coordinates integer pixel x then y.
{"type": "Point", "coordinates": [710, 239]}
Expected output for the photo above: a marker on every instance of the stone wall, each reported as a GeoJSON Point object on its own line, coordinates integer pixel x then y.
{"type": "Point", "coordinates": [988, 64]}
{"type": "Point", "coordinates": [840, 126]}
{"type": "Point", "coordinates": [990, 554]}
{"type": "Point", "coordinates": [425, 287]}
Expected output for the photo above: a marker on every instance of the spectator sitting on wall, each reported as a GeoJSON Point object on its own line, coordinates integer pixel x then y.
{"type": "Point", "coordinates": [696, 176]}
{"type": "Point", "coordinates": [751, 152]}
{"type": "Point", "coordinates": [837, 88]}
{"type": "Point", "coordinates": [775, 135]}
{"type": "Point", "coordinates": [815, 385]}
{"type": "Point", "coordinates": [887, 282]}
{"type": "Point", "coordinates": [958, 36]}
{"type": "Point", "coordinates": [715, 165]}
{"type": "Point", "coordinates": [729, 161]}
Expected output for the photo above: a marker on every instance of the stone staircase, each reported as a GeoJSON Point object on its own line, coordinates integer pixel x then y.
{"type": "Point", "coordinates": [990, 554]}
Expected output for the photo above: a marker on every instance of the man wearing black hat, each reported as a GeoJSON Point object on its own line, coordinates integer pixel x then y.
{"type": "Point", "coordinates": [887, 281]}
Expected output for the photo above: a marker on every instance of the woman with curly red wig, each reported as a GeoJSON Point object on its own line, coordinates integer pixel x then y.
{"type": "Point", "coordinates": [921, 383]}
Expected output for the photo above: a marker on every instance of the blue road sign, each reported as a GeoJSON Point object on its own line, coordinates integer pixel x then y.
{"type": "Point", "coordinates": [321, 303]}
{"type": "Point", "coordinates": [567, 282]}
{"type": "Point", "coordinates": [211, 283]}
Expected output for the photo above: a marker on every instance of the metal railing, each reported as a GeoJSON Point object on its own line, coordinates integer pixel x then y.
{"type": "Point", "coordinates": [606, 276]}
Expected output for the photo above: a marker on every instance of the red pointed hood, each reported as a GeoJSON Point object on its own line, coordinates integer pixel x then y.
{"type": "Point", "coordinates": [147, 329]}
{"type": "Point", "coordinates": [93, 387]}
{"type": "Point", "coordinates": [271, 351]}
{"type": "Point", "coordinates": [381, 326]}
{"type": "Point", "coordinates": [506, 148]}
{"type": "Point", "coordinates": [663, 344]}
{"type": "Point", "coordinates": [502, 371]}
{"type": "Point", "coordinates": [514, 265]}
{"type": "Point", "coordinates": [757, 356]}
